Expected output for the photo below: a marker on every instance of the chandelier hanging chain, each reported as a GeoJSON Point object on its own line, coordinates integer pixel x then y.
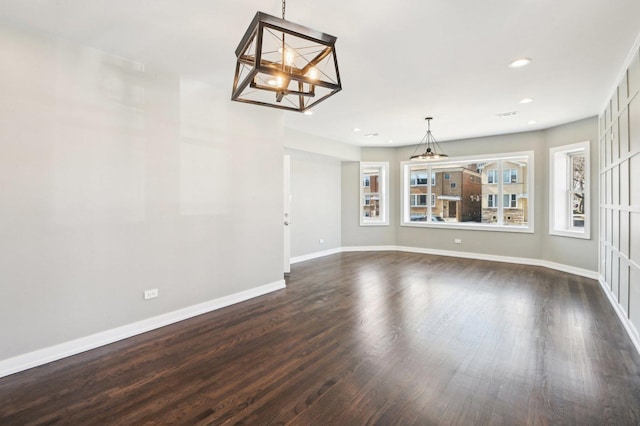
{"type": "Point", "coordinates": [284, 5]}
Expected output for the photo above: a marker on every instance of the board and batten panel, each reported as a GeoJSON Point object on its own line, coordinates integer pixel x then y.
{"type": "Point", "coordinates": [620, 193]}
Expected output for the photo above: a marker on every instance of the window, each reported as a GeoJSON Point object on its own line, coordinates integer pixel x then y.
{"type": "Point", "coordinates": [418, 200]}
{"type": "Point", "coordinates": [475, 196]}
{"type": "Point", "coordinates": [509, 201]}
{"type": "Point", "coordinates": [374, 206]}
{"type": "Point", "coordinates": [510, 176]}
{"type": "Point", "coordinates": [569, 191]}
{"type": "Point", "coordinates": [576, 189]}
{"type": "Point", "coordinates": [419, 178]}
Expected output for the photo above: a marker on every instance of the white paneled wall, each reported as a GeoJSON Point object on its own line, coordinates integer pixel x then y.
{"type": "Point", "coordinates": [620, 194]}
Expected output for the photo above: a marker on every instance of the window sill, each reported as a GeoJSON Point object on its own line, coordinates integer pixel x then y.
{"type": "Point", "coordinates": [374, 223]}
{"type": "Point", "coordinates": [470, 227]}
{"type": "Point", "coordinates": [571, 234]}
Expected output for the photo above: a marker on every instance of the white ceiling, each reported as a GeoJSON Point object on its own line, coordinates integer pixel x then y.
{"type": "Point", "coordinates": [399, 60]}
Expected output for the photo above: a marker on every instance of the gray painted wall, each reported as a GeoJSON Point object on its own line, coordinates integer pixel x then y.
{"type": "Point", "coordinates": [315, 203]}
{"type": "Point", "coordinates": [114, 179]}
{"type": "Point", "coordinates": [573, 251]}
{"type": "Point", "coordinates": [539, 245]}
{"type": "Point", "coordinates": [352, 233]}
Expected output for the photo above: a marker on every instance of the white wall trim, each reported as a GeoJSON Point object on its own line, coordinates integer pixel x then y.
{"type": "Point", "coordinates": [633, 51]}
{"type": "Point", "coordinates": [481, 256]}
{"type": "Point", "coordinates": [315, 255]}
{"type": "Point", "coordinates": [73, 347]}
{"type": "Point", "coordinates": [628, 325]}
{"type": "Point", "coordinates": [370, 248]}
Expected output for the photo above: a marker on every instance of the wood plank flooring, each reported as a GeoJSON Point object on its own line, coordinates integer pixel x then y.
{"type": "Point", "coordinates": [383, 338]}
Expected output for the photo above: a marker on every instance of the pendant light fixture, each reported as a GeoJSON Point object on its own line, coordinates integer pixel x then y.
{"type": "Point", "coordinates": [432, 150]}
{"type": "Point", "coordinates": [285, 65]}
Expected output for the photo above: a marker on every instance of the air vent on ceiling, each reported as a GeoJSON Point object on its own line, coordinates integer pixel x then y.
{"type": "Point", "coordinates": [507, 114]}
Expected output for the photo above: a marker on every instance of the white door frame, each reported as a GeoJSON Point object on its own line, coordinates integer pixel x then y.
{"type": "Point", "coordinates": [287, 214]}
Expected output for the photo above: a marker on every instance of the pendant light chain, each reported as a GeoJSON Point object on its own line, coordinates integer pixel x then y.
{"type": "Point", "coordinates": [284, 55]}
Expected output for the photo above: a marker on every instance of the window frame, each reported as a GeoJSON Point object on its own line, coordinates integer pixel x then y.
{"type": "Point", "coordinates": [513, 198]}
{"type": "Point", "coordinates": [510, 176]}
{"type": "Point", "coordinates": [492, 177]}
{"type": "Point", "coordinates": [501, 225]}
{"type": "Point", "coordinates": [560, 191]}
{"type": "Point", "coordinates": [420, 184]}
{"type": "Point", "coordinates": [383, 192]}
{"type": "Point", "coordinates": [417, 196]}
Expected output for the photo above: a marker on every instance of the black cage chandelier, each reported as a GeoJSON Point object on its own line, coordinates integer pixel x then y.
{"type": "Point", "coordinates": [285, 65]}
{"type": "Point", "coordinates": [428, 149]}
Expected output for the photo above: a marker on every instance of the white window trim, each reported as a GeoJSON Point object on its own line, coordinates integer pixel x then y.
{"type": "Point", "coordinates": [500, 226]}
{"type": "Point", "coordinates": [558, 191]}
{"type": "Point", "coordinates": [383, 186]}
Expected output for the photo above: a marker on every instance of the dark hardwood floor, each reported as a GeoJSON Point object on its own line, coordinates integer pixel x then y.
{"type": "Point", "coordinates": [362, 338]}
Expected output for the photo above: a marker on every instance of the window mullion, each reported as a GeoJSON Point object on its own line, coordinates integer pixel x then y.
{"type": "Point", "coordinates": [500, 193]}
{"type": "Point", "coordinates": [429, 188]}
{"type": "Point", "coordinates": [569, 194]}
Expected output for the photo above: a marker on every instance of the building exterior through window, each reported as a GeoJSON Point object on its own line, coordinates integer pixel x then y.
{"type": "Point", "coordinates": [473, 192]}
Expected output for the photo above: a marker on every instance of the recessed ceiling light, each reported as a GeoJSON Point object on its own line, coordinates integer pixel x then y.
{"type": "Point", "coordinates": [532, 122]}
{"type": "Point", "coordinates": [390, 140]}
{"type": "Point", "coordinates": [507, 114]}
{"type": "Point", "coordinates": [526, 100]}
{"type": "Point", "coordinates": [519, 63]}
{"type": "Point", "coordinates": [356, 129]}
{"type": "Point", "coordinates": [308, 112]}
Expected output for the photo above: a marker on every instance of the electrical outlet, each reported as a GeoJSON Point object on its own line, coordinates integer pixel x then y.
{"type": "Point", "coordinates": [150, 294]}
{"type": "Point", "coordinates": [457, 241]}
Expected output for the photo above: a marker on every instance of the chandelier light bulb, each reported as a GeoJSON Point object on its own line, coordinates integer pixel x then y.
{"type": "Point", "coordinates": [288, 56]}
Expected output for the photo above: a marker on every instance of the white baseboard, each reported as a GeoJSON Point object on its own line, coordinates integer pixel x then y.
{"type": "Point", "coordinates": [315, 255]}
{"type": "Point", "coordinates": [73, 347]}
{"type": "Point", "coordinates": [481, 256]}
{"type": "Point", "coordinates": [626, 323]}
{"type": "Point", "coordinates": [63, 350]}
{"type": "Point", "coordinates": [369, 248]}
